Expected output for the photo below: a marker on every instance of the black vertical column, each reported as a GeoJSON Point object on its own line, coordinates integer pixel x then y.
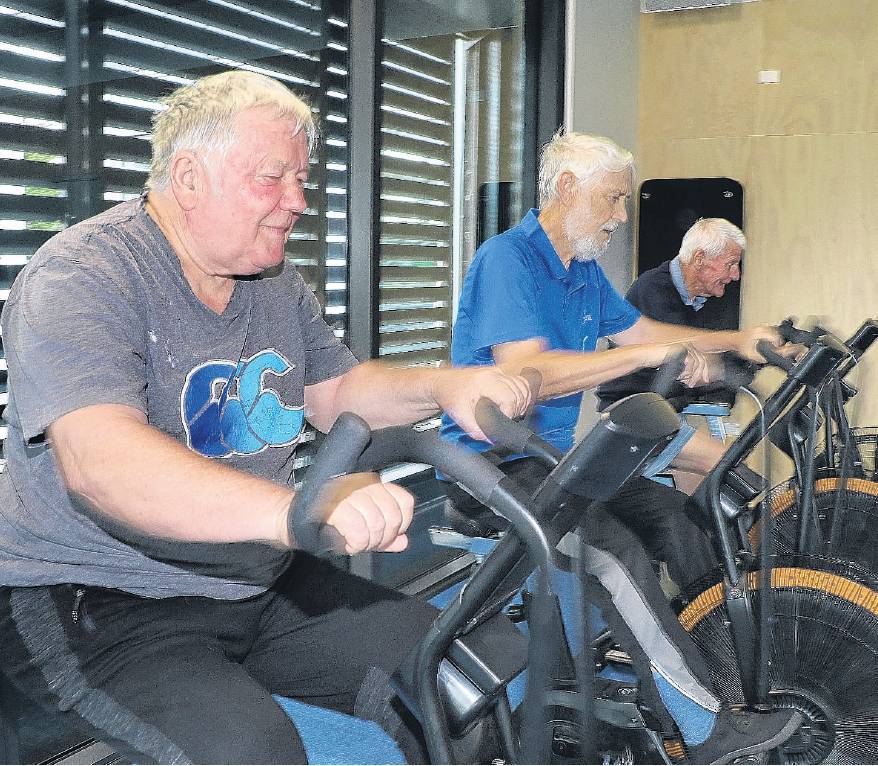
{"type": "Point", "coordinates": [544, 53]}
{"type": "Point", "coordinates": [364, 96]}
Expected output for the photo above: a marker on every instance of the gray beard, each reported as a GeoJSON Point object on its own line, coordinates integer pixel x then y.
{"type": "Point", "coordinates": [585, 247]}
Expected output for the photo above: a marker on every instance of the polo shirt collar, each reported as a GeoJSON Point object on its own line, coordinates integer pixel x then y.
{"type": "Point", "coordinates": [543, 247]}
{"type": "Point", "coordinates": [676, 270]}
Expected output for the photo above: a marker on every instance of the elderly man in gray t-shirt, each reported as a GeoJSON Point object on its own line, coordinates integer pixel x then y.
{"type": "Point", "coordinates": [162, 360]}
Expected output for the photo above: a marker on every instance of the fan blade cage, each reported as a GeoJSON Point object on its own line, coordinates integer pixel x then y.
{"type": "Point", "coordinates": [847, 510]}
{"type": "Point", "coordinates": [824, 658]}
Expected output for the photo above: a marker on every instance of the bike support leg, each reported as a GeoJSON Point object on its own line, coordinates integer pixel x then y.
{"type": "Point", "coordinates": [744, 636]}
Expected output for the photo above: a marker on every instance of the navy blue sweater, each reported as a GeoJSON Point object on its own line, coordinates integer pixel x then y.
{"type": "Point", "coordinates": [655, 294]}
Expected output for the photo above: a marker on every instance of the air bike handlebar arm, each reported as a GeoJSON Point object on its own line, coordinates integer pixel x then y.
{"type": "Point", "coordinates": [812, 370]}
{"type": "Point", "coordinates": [515, 435]}
{"type": "Point", "coordinates": [351, 446]}
{"type": "Point", "coordinates": [343, 450]}
{"type": "Point", "coordinates": [337, 455]}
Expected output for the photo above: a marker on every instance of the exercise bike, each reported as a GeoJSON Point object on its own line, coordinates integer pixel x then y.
{"type": "Point", "coordinates": [758, 637]}
{"type": "Point", "coordinates": [829, 507]}
{"type": "Point", "coordinates": [807, 641]}
{"type": "Point", "coordinates": [459, 675]}
{"type": "Point", "coordinates": [785, 626]}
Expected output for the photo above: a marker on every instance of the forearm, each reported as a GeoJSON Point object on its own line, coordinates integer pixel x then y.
{"type": "Point", "coordinates": [138, 476]}
{"type": "Point", "coordinates": [383, 396]}
{"type": "Point", "coordinates": [708, 341]}
{"type": "Point", "coordinates": [567, 372]}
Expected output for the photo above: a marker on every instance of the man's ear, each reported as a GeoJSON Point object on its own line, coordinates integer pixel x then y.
{"type": "Point", "coordinates": [186, 178]}
{"type": "Point", "coordinates": [567, 187]}
{"type": "Point", "coordinates": [698, 258]}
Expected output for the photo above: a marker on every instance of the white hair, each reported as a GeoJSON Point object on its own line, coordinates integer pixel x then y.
{"type": "Point", "coordinates": [583, 155]}
{"type": "Point", "coordinates": [202, 116]}
{"type": "Point", "coordinates": [711, 236]}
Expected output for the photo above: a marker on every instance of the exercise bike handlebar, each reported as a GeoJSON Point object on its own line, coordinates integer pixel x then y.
{"type": "Point", "coordinates": [516, 436]}
{"type": "Point", "coordinates": [813, 337]}
{"type": "Point", "coordinates": [792, 334]}
{"type": "Point", "coordinates": [512, 434]}
{"type": "Point", "coordinates": [773, 358]}
{"type": "Point", "coordinates": [668, 373]}
{"type": "Point", "coordinates": [351, 446]}
{"type": "Point", "coordinates": [336, 456]}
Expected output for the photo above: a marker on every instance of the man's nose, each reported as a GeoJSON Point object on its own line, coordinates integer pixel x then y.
{"type": "Point", "coordinates": [293, 197]}
{"type": "Point", "coordinates": [736, 273]}
{"type": "Point", "coordinates": [621, 213]}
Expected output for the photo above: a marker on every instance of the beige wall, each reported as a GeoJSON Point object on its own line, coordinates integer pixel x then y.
{"type": "Point", "coordinates": [602, 98]}
{"type": "Point", "coordinates": [806, 149]}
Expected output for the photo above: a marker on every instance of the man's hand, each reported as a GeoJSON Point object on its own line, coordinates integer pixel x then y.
{"type": "Point", "coordinates": [747, 340]}
{"type": "Point", "coordinates": [366, 514]}
{"type": "Point", "coordinates": [457, 391]}
{"type": "Point", "coordinates": [699, 368]}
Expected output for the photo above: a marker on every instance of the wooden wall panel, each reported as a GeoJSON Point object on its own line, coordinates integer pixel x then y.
{"type": "Point", "coordinates": [827, 55]}
{"type": "Point", "coordinates": [805, 150]}
{"type": "Point", "coordinates": [696, 79]}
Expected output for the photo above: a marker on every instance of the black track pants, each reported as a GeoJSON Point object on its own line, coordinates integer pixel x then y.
{"type": "Point", "coordinates": [190, 679]}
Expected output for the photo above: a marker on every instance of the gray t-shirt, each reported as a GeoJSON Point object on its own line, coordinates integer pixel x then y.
{"type": "Point", "coordinates": [103, 314]}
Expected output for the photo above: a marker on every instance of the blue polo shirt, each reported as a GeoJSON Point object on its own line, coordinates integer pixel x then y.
{"type": "Point", "coordinates": [516, 288]}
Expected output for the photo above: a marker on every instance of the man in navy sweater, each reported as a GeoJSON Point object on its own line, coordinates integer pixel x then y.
{"type": "Point", "coordinates": [676, 292]}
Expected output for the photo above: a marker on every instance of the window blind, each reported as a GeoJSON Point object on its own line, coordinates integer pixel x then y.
{"type": "Point", "coordinates": [415, 220]}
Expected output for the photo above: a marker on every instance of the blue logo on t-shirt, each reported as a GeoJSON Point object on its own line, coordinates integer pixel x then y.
{"type": "Point", "coordinates": [228, 409]}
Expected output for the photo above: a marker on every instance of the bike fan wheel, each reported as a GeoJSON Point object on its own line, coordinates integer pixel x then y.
{"type": "Point", "coordinates": [855, 532]}
{"type": "Point", "coordinates": [824, 659]}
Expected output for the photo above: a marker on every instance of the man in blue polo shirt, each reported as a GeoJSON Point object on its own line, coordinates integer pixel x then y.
{"type": "Point", "coordinates": [535, 296]}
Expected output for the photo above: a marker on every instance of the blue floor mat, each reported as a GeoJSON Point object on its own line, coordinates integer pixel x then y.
{"type": "Point", "coordinates": [335, 738]}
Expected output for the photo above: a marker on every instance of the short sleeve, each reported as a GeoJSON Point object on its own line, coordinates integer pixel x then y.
{"type": "Point", "coordinates": [326, 356]}
{"type": "Point", "coordinates": [74, 337]}
{"type": "Point", "coordinates": [617, 314]}
{"type": "Point", "coordinates": [503, 304]}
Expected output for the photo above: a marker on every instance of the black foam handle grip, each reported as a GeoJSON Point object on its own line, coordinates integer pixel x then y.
{"type": "Point", "coordinates": [403, 444]}
{"type": "Point", "coordinates": [772, 357]}
{"type": "Point", "coordinates": [534, 379]}
{"type": "Point", "coordinates": [792, 334]}
{"type": "Point", "coordinates": [501, 430]}
{"type": "Point", "coordinates": [667, 374]}
{"type": "Point", "coordinates": [785, 328]}
{"type": "Point", "coordinates": [337, 456]}
{"type": "Point", "coordinates": [864, 337]}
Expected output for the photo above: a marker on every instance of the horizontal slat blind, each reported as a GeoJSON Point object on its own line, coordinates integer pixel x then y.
{"type": "Point", "coordinates": [416, 169]}
{"type": "Point", "coordinates": [33, 190]}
